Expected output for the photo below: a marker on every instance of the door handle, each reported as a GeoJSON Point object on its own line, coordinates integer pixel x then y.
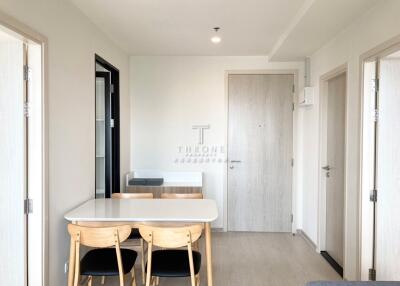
{"type": "Point", "coordinates": [236, 161]}
{"type": "Point", "coordinates": [326, 168]}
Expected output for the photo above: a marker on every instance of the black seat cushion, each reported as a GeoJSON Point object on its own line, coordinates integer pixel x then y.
{"type": "Point", "coordinates": [135, 234]}
{"type": "Point", "coordinates": [173, 263]}
{"type": "Point", "coordinates": [103, 262]}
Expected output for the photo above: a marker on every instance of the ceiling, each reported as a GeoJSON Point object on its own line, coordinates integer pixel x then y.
{"type": "Point", "coordinates": [320, 23]}
{"type": "Point", "coordinates": [282, 29]}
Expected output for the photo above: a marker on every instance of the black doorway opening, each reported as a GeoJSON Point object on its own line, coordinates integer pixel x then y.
{"type": "Point", "coordinates": [107, 126]}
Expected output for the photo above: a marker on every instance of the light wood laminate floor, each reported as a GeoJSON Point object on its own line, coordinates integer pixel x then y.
{"type": "Point", "coordinates": [256, 259]}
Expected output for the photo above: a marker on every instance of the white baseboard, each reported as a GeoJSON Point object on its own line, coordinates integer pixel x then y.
{"type": "Point", "coordinates": [306, 238]}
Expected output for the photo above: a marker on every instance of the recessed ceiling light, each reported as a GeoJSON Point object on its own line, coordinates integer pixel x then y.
{"type": "Point", "coordinates": [216, 39]}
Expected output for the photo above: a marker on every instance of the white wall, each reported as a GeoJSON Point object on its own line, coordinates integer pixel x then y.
{"type": "Point", "coordinates": [169, 95]}
{"type": "Point", "coordinates": [72, 42]}
{"type": "Point", "coordinates": [377, 26]}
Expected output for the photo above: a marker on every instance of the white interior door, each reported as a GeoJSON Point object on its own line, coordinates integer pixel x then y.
{"type": "Point", "coordinates": [260, 152]}
{"type": "Point", "coordinates": [334, 170]}
{"type": "Point", "coordinates": [13, 182]}
{"type": "Point", "coordinates": [388, 171]}
{"type": "Point", "coordinates": [35, 166]}
{"type": "Point", "coordinates": [368, 168]}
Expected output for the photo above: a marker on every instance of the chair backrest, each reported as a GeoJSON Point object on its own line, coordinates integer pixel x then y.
{"type": "Point", "coordinates": [182, 196]}
{"type": "Point", "coordinates": [171, 237]}
{"type": "Point", "coordinates": [132, 196]}
{"type": "Point", "coordinates": [99, 236]}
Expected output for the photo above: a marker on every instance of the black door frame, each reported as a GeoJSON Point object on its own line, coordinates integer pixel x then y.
{"type": "Point", "coordinates": [114, 179]}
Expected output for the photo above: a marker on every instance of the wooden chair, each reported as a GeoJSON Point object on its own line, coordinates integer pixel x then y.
{"type": "Point", "coordinates": [102, 261]}
{"type": "Point", "coordinates": [182, 196]}
{"type": "Point", "coordinates": [171, 262]}
{"type": "Point", "coordinates": [135, 232]}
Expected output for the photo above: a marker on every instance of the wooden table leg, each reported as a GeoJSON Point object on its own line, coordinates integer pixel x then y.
{"type": "Point", "coordinates": [71, 263]}
{"type": "Point", "coordinates": [208, 254]}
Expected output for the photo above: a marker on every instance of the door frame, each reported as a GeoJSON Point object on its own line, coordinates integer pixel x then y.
{"type": "Point", "coordinates": [115, 136]}
{"type": "Point", "coordinates": [322, 161]}
{"type": "Point", "coordinates": [376, 54]}
{"type": "Point", "coordinates": [27, 34]}
{"type": "Point", "coordinates": [295, 73]}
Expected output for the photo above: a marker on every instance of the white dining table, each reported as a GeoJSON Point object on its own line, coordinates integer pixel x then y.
{"type": "Point", "coordinates": [103, 212]}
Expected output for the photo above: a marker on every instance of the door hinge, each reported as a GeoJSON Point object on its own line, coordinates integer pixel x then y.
{"type": "Point", "coordinates": [112, 123]}
{"type": "Point", "coordinates": [376, 115]}
{"type": "Point", "coordinates": [291, 218]}
{"type": "Point", "coordinates": [27, 72]}
{"type": "Point", "coordinates": [375, 84]}
{"type": "Point", "coordinates": [371, 274]}
{"type": "Point", "coordinates": [292, 106]}
{"type": "Point", "coordinates": [373, 197]}
{"type": "Point", "coordinates": [293, 88]}
{"type": "Point", "coordinates": [27, 109]}
{"type": "Point", "coordinates": [28, 206]}
{"type": "Point", "coordinates": [112, 88]}
{"type": "Point", "coordinates": [292, 162]}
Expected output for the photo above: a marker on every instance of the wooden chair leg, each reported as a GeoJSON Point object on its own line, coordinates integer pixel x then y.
{"type": "Point", "coordinates": [191, 265]}
{"type": "Point", "coordinates": [103, 280]}
{"type": "Point", "coordinates": [148, 270]}
{"type": "Point", "coordinates": [133, 277]}
{"type": "Point", "coordinates": [90, 280]}
{"type": "Point", "coordinates": [192, 281]}
{"type": "Point", "coordinates": [71, 269]}
{"type": "Point", "coordinates": [198, 279]}
{"type": "Point", "coordinates": [143, 263]}
{"type": "Point", "coordinates": [157, 281]}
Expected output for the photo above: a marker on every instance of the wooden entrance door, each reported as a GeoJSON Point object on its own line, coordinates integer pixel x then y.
{"type": "Point", "coordinates": [260, 152]}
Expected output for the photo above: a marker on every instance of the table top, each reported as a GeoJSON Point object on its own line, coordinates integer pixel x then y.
{"type": "Point", "coordinates": [145, 210]}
